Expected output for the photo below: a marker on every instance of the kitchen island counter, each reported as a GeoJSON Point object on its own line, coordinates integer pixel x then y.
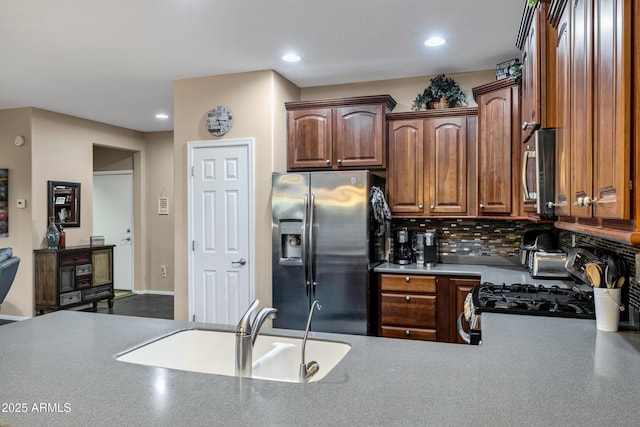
{"type": "Point", "coordinates": [529, 371]}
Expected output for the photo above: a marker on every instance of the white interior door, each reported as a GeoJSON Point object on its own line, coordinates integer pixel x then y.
{"type": "Point", "coordinates": [113, 219]}
{"type": "Point", "coordinates": [220, 218]}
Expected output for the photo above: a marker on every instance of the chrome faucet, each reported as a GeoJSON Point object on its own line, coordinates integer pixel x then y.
{"type": "Point", "coordinates": [308, 370]}
{"type": "Point", "coordinates": [246, 334]}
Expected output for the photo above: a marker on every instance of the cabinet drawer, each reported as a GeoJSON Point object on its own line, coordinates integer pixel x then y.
{"type": "Point", "coordinates": [75, 259]}
{"type": "Point", "coordinates": [69, 298]}
{"type": "Point", "coordinates": [411, 311]}
{"type": "Point", "coordinates": [83, 282]}
{"type": "Point", "coordinates": [99, 292]}
{"type": "Point", "coordinates": [410, 333]}
{"type": "Point", "coordinates": [407, 283]}
{"type": "Point", "coordinates": [83, 270]}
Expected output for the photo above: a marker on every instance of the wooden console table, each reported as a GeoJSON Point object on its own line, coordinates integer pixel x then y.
{"type": "Point", "coordinates": [73, 276]}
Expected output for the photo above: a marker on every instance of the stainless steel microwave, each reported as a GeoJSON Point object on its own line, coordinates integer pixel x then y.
{"type": "Point", "coordinates": [538, 172]}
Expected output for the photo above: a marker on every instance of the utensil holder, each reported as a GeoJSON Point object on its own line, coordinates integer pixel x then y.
{"type": "Point", "coordinates": [607, 302]}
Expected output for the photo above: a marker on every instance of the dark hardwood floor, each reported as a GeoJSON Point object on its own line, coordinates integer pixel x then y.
{"type": "Point", "coordinates": [144, 305]}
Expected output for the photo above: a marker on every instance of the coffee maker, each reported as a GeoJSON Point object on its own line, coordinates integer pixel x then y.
{"type": "Point", "coordinates": [402, 250]}
{"type": "Point", "coordinates": [430, 248]}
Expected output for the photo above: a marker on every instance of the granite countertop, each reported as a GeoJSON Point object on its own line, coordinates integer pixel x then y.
{"type": "Point", "coordinates": [529, 371]}
{"type": "Point", "coordinates": [497, 274]}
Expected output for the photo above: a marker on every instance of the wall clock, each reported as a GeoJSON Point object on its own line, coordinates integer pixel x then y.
{"type": "Point", "coordinates": [219, 120]}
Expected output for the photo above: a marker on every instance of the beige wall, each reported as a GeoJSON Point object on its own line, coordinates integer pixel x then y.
{"type": "Point", "coordinates": [60, 148]}
{"type": "Point", "coordinates": [251, 98]}
{"type": "Point", "coordinates": [16, 122]}
{"type": "Point", "coordinates": [403, 91]}
{"type": "Point", "coordinates": [109, 159]}
{"type": "Point", "coordinates": [159, 229]}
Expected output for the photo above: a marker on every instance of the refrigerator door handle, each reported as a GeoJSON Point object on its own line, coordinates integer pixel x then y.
{"type": "Point", "coordinates": [305, 260]}
{"type": "Point", "coordinates": [312, 254]}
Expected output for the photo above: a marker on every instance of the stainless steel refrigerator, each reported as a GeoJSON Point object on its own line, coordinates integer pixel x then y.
{"type": "Point", "coordinates": [324, 244]}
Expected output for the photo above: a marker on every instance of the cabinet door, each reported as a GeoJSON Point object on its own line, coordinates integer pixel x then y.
{"type": "Point", "coordinates": [309, 139]}
{"type": "Point", "coordinates": [446, 159]}
{"type": "Point", "coordinates": [406, 170]}
{"type": "Point", "coordinates": [358, 136]}
{"type": "Point", "coordinates": [563, 129]}
{"type": "Point", "coordinates": [612, 108]}
{"type": "Point", "coordinates": [459, 288]}
{"type": "Point", "coordinates": [581, 105]}
{"type": "Point", "coordinates": [67, 279]}
{"type": "Point", "coordinates": [102, 267]}
{"type": "Point", "coordinates": [494, 152]}
{"type": "Point", "coordinates": [531, 79]}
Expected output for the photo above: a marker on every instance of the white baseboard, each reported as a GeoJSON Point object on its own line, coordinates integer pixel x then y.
{"type": "Point", "coordinates": [170, 293]}
{"type": "Point", "coordinates": [13, 318]}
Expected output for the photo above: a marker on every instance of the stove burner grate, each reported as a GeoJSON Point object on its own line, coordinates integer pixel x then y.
{"type": "Point", "coordinates": [534, 299]}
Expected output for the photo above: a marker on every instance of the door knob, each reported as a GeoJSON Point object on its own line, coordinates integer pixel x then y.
{"type": "Point", "coordinates": [241, 261]}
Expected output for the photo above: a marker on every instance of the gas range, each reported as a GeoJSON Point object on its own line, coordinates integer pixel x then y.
{"type": "Point", "coordinates": [529, 299]}
{"type": "Point", "coordinates": [540, 300]}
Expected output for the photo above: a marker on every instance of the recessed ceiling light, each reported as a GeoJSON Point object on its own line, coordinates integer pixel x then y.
{"type": "Point", "coordinates": [162, 116]}
{"type": "Point", "coordinates": [291, 57]}
{"type": "Point", "coordinates": [434, 41]}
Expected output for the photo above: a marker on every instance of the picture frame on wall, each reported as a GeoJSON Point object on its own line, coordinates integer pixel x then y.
{"type": "Point", "coordinates": [4, 202]}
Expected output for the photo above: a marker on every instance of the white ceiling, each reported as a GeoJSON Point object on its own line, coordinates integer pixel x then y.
{"type": "Point", "coordinates": [114, 61]}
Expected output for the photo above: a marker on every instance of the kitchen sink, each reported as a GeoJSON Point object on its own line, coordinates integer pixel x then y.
{"type": "Point", "coordinates": [275, 357]}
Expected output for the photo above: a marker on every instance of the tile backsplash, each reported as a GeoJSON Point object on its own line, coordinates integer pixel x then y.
{"type": "Point", "coordinates": [493, 242]}
{"type": "Point", "coordinates": [471, 241]}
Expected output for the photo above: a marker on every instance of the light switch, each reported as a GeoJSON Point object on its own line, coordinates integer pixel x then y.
{"type": "Point", "coordinates": [21, 203]}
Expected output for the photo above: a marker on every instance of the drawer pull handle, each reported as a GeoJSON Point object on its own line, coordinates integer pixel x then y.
{"type": "Point", "coordinates": [407, 332]}
{"type": "Point", "coordinates": [407, 298]}
{"type": "Point", "coordinates": [407, 279]}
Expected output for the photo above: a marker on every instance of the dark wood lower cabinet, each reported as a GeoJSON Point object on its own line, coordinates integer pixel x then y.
{"type": "Point", "coordinates": [74, 276]}
{"type": "Point", "coordinates": [422, 307]}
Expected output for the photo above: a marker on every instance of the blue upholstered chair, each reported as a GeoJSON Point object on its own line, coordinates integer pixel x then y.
{"type": "Point", "coordinates": [8, 269]}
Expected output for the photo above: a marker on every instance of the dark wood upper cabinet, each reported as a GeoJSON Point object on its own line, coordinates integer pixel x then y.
{"type": "Point", "coordinates": [564, 110]}
{"type": "Point", "coordinates": [612, 108]}
{"type": "Point", "coordinates": [446, 159]}
{"type": "Point", "coordinates": [596, 68]}
{"type": "Point", "coordinates": [405, 178]}
{"type": "Point", "coordinates": [345, 133]}
{"type": "Point", "coordinates": [537, 42]}
{"type": "Point", "coordinates": [430, 172]}
{"type": "Point", "coordinates": [309, 138]}
{"type": "Point", "coordinates": [498, 148]}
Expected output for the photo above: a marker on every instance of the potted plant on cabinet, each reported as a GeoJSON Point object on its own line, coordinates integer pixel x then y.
{"type": "Point", "coordinates": [443, 92]}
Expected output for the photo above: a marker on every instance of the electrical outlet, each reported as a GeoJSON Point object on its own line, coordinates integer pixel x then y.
{"type": "Point", "coordinates": [163, 271]}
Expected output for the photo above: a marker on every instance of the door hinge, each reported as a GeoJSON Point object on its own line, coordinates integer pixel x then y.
{"type": "Point", "coordinates": [631, 185]}
{"type": "Point", "coordinates": [194, 318]}
{"type": "Point", "coordinates": [193, 171]}
{"type": "Point", "coordinates": [193, 245]}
